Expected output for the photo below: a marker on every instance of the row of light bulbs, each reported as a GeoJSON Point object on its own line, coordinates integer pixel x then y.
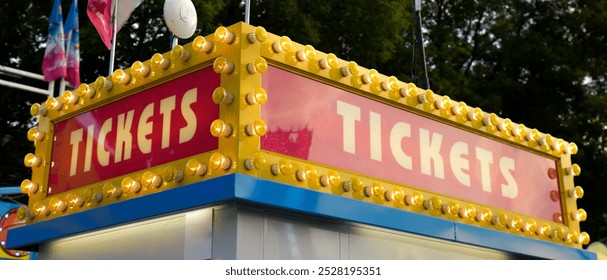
{"type": "Point", "coordinates": [148, 181]}
{"type": "Point", "coordinates": [416, 201]}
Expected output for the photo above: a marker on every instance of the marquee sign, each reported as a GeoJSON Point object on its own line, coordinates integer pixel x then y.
{"type": "Point", "coordinates": [245, 100]}
{"type": "Point", "coordinates": [331, 126]}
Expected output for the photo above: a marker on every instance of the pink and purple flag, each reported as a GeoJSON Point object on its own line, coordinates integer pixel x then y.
{"type": "Point", "coordinates": [53, 63]}
{"type": "Point", "coordinates": [72, 49]}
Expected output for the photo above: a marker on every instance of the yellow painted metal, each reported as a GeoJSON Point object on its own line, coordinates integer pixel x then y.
{"type": "Point", "coordinates": [240, 54]}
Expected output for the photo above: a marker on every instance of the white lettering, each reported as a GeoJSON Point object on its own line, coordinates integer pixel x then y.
{"type": "Point", "coordinates": [486, 159]}
{"type": "Point", "coordinates": [350, 114]}
{"type": "Point", "coordinates": [429, 150]}
{"type": "Point", "coordinates": [88, 155]}
{"type": "Point", "coordinates": [509, 190]}
{"type": "Point", "coordinates": [103, 156]}
{"type": "Point", "coordinates": [144, 129]}
{"type": "Point", "coordinates": [375, 135]}
{"type": "Point", "coordinates": [459, 163]}
{"type": "Point", "coordinates": [187, 133]}
{"type": "Point", "coordinates": [124, 136]}
{"type": "Point", "coordinates": [167, 106]}
{"type": "Point", "coordinates": [75, 139]}
{"type": "Point", "coordinates": [399, 131]}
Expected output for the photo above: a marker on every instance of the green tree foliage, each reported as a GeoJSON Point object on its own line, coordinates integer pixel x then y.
{"type": "Point", "coordinates": [537, 62]}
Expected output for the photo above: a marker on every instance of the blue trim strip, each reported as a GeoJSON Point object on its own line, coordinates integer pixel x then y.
{"type": "Point", "coordinates": [254, 190]}
{"type": "Point", "coordinates": [518, 244]}
{"type": "Point", "coordinates": [10, 190]}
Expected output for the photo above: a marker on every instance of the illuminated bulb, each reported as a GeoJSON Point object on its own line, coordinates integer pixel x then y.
{"type": "Point", "coordinates": [515, 223]}
{"type": "Point", "coordinates": [558, 233]}
{"type": "Point", "coordinates": [111, 190]}
{"type": "Point", "coordinates": [443, 103]}
{"type": "Point", "coordinates": [33, 134]}
{"type": "Point", "coordinates": [571, 148]}
{"type": "Point", "coordinates": [218, 161]}
{"type": "Point", "coordinates": [69, 97]}
{"type": "Point", "coordinates": [572, 236]}
{"type": "Point", "coordinates": [74, 200]}
{"type": "Point", "coordinates": [283, 167]}
{"type": "Point", "coordinates": [259, 34]}
{"type": "Point", "coordinates": [355, 184]}
{"type": "Point", "coordinates": [450, 208]}
{"type": "Point", "coordinates": [519, 130]}
{"type": "Point", "coordinates": [460, 109]}
{"type": "Point", "coordinates": [221, 95]}
{"type": "Point", "coordinates": [475, 115]}
{"type": "Point", "coordinates": [505, 125]}
{"type": "Point", "coordinates": [258, 96]}
{"type": "Point", "coordinates": [179, 53]}
{"type": "Point", "coordinates": [415, 199]}
{"type": "Point", "coordinates": [85, 90]}
{"type": "Point", "coordinates": [544, 230]}
{"type": "Point", "coordinates": [258, 127]}
{"type": "Point", "coordinates": [484, 216]}
{"type": "Point", "coordinates": [390, 84]}
{"type": "Point", "coordinates": [194, 167]}
{"type": "Point", "coordinates": [330, 61]}
{"type": "Point", "coordinates": [159, 62]}
{"type": "Point", "coordinates": [500, 220]}
{"type": "Point", "coordinates": [29, 187]}
{"type": "Point", "coordinates": [546, 140]}
{"type": "Point", "coordinates": [101, 83]}
{"type": "Point", "coordinates": [307, 53]}
{"type": "Point", "coordinates": [171, 174]}
{"type": "Point", "coordinates": [574, 170]}
{"type": "Point", "coordinates": [584, 238]}
{"type": "Point", "coordinates": [434, 203]}
{"type": "Point", "coordinates": [530, 227]}
{"type": "Point", "coordinates": [283, 44]}
{"type": "Point", "coordinates": [129, 185]}
{"type": "Point", "coordinates": [490, 120]}
{"type": "Point", "coordinates": [258, 161]}
{"type": "Point", "coordinates": [576, 193]}
{"type": "Point", "coordinates": [57, 205]}
{"type": "Point", "coordinates": [41, 209]}
{"type": "Point", "coordinates": [532, 135]}
{"type": "Point", "coordinates": [332, 179]}
{"type": "Point", "coordinates": [150, 180]}
{"type": "Point", "coordinates": [32, 160]}
{"type": "Point", "coordinates": [399, 198]}
{"type": "Point", "coordinates": [139, 69]}
{"type": "Point", "coordinates": [579, 215]}
{"type": "Point", "coordinates": [260, 66]}
{"type": "Point", "coordinates": [38, 110]}
{"type": "Point", "coordinates": [221, 65]}
{"type": "Point", "coordinates": [121, 77]}
{"type": "Point", "coordinates": [24, 213]}
{"type": "Point", "coordinates": [371, 77]}
{"type": "Point", "coordinates": [220, 129]}
{"type": "Point", "coordinates": [378, 190]}
{"type": "Point", "coordinates": [559, 145]}
{"type": "Point", "coordinates": [468, 211]}
{"type": "Point", "coordinates": [223, 35]}
{"type": "Point", "coordinates": [91, 195]}
{"type": "Point", "coordinates": [427, 97]}
{"type": "Point", "coordinates": [53, 103]}
{"type": "Point", "coordinates": [200, 44]}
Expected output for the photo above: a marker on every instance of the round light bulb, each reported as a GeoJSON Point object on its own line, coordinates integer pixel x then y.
{"type": "Point", "coordinates": [159, 62]}
{"type": "Point", "coordinates": [194, 167]}
{"type": "Point", "coordinates": [223, 35]}
{"type": "Point", "coordinates": [85, 90]}
{"type": "Point", "coordinates": [140, 69]}
{"type": "Point", "coordinates": [258, 96]}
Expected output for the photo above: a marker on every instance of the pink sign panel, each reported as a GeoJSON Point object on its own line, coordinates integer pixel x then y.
{"type": "Point", "coordinates": [158, 125]}
{"type": "Point", "coordinates": [320, 123]}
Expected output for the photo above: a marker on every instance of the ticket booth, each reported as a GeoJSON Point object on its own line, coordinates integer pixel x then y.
{"type": "Point", "coordinates": [245, 145]}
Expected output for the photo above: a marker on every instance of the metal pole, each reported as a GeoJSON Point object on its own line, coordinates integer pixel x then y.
{"type": "Point", "coordinates": [247, 11]}
{"type": "Point", "coordinates": [417, 12]}
{"type": "Point", "coordinates": [114, 28]}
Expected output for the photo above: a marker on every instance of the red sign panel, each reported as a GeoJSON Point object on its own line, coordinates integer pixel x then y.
{"type": "Point", "coordinates": [317, 122]}
{"type": "Point", "coordinates": [158, 125]}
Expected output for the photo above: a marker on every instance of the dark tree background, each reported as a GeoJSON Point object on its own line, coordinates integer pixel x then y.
{"type": "Point", "coordinates": [537, 62]}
